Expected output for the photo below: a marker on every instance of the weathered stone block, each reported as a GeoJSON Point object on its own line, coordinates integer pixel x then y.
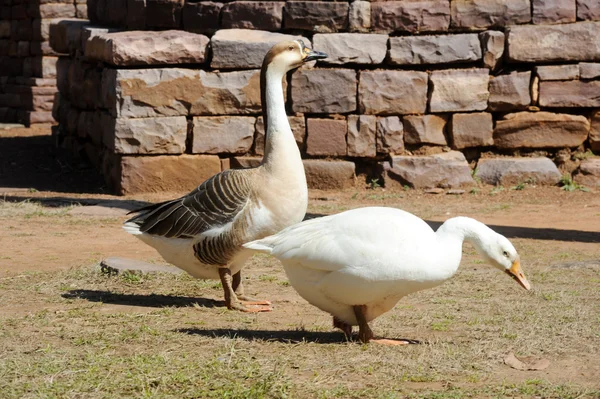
{"type": "Point", "coordinates": [84, 85]}
{"type": "Point", "coordinates": [509, 171]}
{"type": "Point", "coordinates": [595, 132]}
{"type": "Point", "coordinates": [202, 17]}
{"type": "Point", "coordinates": [424, 129]}
{"type": "Point", "coordinates": [316, 16]}
{"type": "Point", "coordinates": [472, 130]}
{"type": "Point", "coordinates": [439, 49]}
{"type": "Point", "coordinates": [221, 93]}
{"type": "Point", "coordinates": [479, 14]}
{"type": "Point", "coordinates": [326, 137]}
{"type": "Point", "coordinates": [355, 48]}
{"type": "Point", "coordinates": [362, 135]}
{"type": "Point", "coordinates": [136, 15]}
{"type": "Point", "coordinates": [329, 175]}
{"type": "Point", "coordinates": [570, 94]}
{"type": "Point", "coordinates": [569, 42]}
{"type": "Point", "coordinates": [390, 135]}
{"type": "Point", "coordinates": [164, 135]}
{"type": "Point", "coordinates": [540, 130]}
{"type": "Point", "coordinates": [459, 90]}
{"type": "Point", "coordinates": [41, 67]}
{"type": "Point", "coordinates": [108, 12]}
{"type": "Point", "coordinates": [589, 70]}
{"type": "Point", "coordinates": [553, 11]}
{"type": "Point", "coordinates": [392, 92]}
{"type": "Point", "coordinates": [312, 90]}
{"type": "Point", "coordinates": [21, 30]}
{"type": "Point", "coordinates": [81, 11]}
{"type": "Point", "coordinates": [510, 92]}
{"type": "Point", "coordinates": [589, 173]}
{"type": "Point", "coordinates": [359, 16]}
{"type": "Point", "coordinates": [244, 48]}
{"type": "Point", "coordinates": [65, 35]}
{"type": "Point", "coordinates": [297, 124]}
{"type": "Point", "coordinates": [164, 14]}
{"type": "Point", "coordinates": [52, 10]}
{"type": "Point", "coordinates": [558, 72]}
{"type": "Point", "coordinates": [223, 134]}
{"type": "Point", "coordinates": [492, 44]}
{"type": "Point", "coordinates": [265, 15]}
{"type": "Point", "coordinates": [446, 170]}
{"type": "Point", "coordinates": [410, 16]}
{"type": "Point", "coordinates": [148, 48]}
{"type": "Point", "coordinates": [243, 162]}
{"type": "Point", "coordinates": [588, 10]}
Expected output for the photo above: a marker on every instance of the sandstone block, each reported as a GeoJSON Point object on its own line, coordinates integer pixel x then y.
{"type": "Point", "coordinates": [84, 85]}
{"type": "Point", "coordinates": [244, 48]}
{"type": "Point", "coordinates": [165, 135]}
{"type": "Point", "coordinates": [570, 42]}
{"type": "Point", "coordinates": [359, 16]}
{"type": "Point", "coordinates": [4, 29]}
{"type": "Point", "coordinates": [244, 162]}
{"type": "Point", "coordinates": [164, 14]}
{"type": "Point", "coordinates": [479, 14]}
{"type": "Point", "coordinates": [355, 48]}
{"type": "Point", "coordinates": [329, 175]}
{"type": "Point", "coordinates": [81, 11]}
{"type": "Point", "coordinates": [509, 171]}
{"type": "Point", "coordinates": [40, 67]}
{"type": "Point", "coordinates": [42, 49]}
{"type": "Point", "coordinates": [472, 130]}
{"type": "Point", "coordinates": [390, 135]}
{"type": "Point", "coordinates": [148, 48]}
{"type": "Point", "coordinates": [223, 134]}
{"type": "Point", "coordinates": [459, 90]}
{"type": "Point", "coordinates": [297, 124]}
{"type": "Point", "coordinates": [92, 123]}
{"type": "Point", "coordinates": [589, 173]}
{"type": "Point", "coordinates": [540, 130]}
{"type": "Point", "coordinates": [312, 90]}
{"type": "Point", "coordinates": [588, 10]}
{"type": "Point", "coordinates": [439, 49]}
{"type": "Point", "coordinates": [446, 170]}
{"type": "Point", "coordinates": [575, 93]}
{"type": "Point", "coordinates": [589, 70]}
{"type": "Point", "coordinates": [52, 10]}
{"type": "Point", "coordinates": [21, 29]}
{"type": "Point", "coordinates": [424, 129]}
{"type": "Point", "coordinates": [326, 137]}
{"type": "Point", "coordinates": [41, 103]}
{"type": "Point", "coordinates": [201, 17]}
{"type": "Point", "coordinates": [553, 11]}
{"type": "Point", "coordinates": [510, 92]}
{"type": "Point", "coordinates": [316, 16]}
{"type": "Point", "coordinates": [362, 135]}
{"type": "Point", "coordinates": [182, 173]}
{"type": "Point", "coordinates": [558, 72]}
{"type": "Point", "coordinates": [222, 93]}
{"type": "Point", "coordinates": [265, 15]}
{"type": "Point", "coordinates": [65, 35]}
{"type": "Point", "coordinates": [492, 44]}
{"type": "Point", "coordinates": [108, 12]}
{"type": "Point", "coordinates": [410, 16]}
{"type": "Point", "coordinates": [392, 92]}
{"type": "Point", "coordinates": [595, 132]}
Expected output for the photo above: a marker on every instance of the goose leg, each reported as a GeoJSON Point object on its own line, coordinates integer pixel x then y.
{"type": "Point", "coordinates": [238, 288]}
{"type": "Point", "coordinates": [346, 328]}
{"type": "Point", "coordinates": [364, 331]}
{"type": "Point", "coordinates": [231, 299]}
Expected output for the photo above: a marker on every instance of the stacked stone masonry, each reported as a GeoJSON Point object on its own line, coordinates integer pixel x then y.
{"type": "Point", "coordinates": [419, 92]}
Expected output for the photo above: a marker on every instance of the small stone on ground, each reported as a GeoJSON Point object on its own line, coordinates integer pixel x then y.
{"type": "Point", "coordinates": [116, 265]}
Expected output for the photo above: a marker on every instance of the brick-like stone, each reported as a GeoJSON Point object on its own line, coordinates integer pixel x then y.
{"type": "Point", "coordinates": [316, 16]}
{"type": "Point", "coordinates": [424, 129]}
{"type": "Point", "coordinates": [472, 130]}
{"type": "Point", "coordinates": [589, 70]}
{"type": "Point", "coordinates": [81, 11]}
{"type": "Point", "coordinates": [163, 14]}
{"type": "Point", "coordinates": [553, 11]}
{"type": "Point", "coordinates": [540, 130]}
{"type": "Point", "coordinates": [459, 90]}
{"type": "Point", "coordinates": [164, 135]}
{"type": "Point", "coordinates": [510, 92]}
{"type": "Point", "coordinates": [480, 14]}
{"type": "Point", "coordinates": [390, 135]}
{"type": "Point", "coordinates": [264, 15]}
{"type": "Point", "coordinates": [312, 90]}
{"type": "Point", "coordinates": [148, 48]}
{"type": "Point", "coordinates": [244, 48]}
{"type": "Point", "coordinates": [362, 135]}
{"type": "Point", "coordinates": [4, 29]}
{"type": "Point", "coordinates": [509, 171]}
{"type": "Point", "coordinates": [136, 15]}
{"type": "Point", "coordinates": [570, 42]}
{"type": "Point", "coordinates": [40, 67]}
{"type": "Point", "coordinates": [134, 174]}
{"type": "Point", "coordinates": [359, 16]}
{"type": "Point", "coordinates": [410, 16]}
{"type": "Point", "coordinates": [223, 134]}
{"type": "Point", "coordinates": [65, 35]}
{"type": "Point", "coordinates": [588, 10]}
{"type": "Point", "coordinates": [297, 124]}
{"type": "Point", "coordinates": [588, 173]}
{"type": "Point", "coordinates": [329, 175]}
{"type": "Point", "coordinates": [535, 90]}
{"type": "Point", "coordinates": [558, 72]}
{"type": "Point", "coordinates": [594, 138]}
{"type": "Point", "coordinates": [52, 10]}
{"type": "Point", "coordinates": [244, 162]}
{"type": "Point", "coordinates": [202, 17]}
{"type": "Point", "coordinates": [570, 94]}
{"type": "Point", "coordinates": [446, 170]}
{"type": "Point", "coordinates": [392, 92]}
{"type": "Point", "coordinates": [326, 137]}
{"type": "Point", "coordinates": [221, 93]}
{"type": "Point", "coordinates": [108, 12]}
{"type": "Point", "coordinates": [492, 44]}
{"type": "Point", "coordinates": [438, 49]}
{"type": "Point", "coordinates": [355, 48]}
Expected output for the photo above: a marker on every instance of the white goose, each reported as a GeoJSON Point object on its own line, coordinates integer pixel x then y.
{"type": "Point", "coordinates": [203, 232]}
{"type": "Point", "coordinates": [358, 264]}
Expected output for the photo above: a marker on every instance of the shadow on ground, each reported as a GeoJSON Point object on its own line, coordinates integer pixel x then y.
{"type": "Point", "coordinates": [150, 300]}
{"type": "Point", "coordinates": [285, 336]}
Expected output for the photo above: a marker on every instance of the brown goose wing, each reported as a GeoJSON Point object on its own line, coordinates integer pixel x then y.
{"type": "Point", "coordinates": [214, 203]}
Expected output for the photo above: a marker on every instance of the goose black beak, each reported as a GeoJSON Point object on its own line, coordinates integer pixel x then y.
{"type": "Point", "coordinates": [314, 55]}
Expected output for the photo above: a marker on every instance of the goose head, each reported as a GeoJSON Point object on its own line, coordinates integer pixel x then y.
{"type": "Point", "coordinates": [500, 253]}
{"type": "Point", "coordinates": [289, 55]}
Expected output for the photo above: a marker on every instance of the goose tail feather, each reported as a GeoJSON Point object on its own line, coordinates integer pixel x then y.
{"type": "Point", "coordinates": [132, 228]}
{"type": "Point", "coordinates": [264, 245]}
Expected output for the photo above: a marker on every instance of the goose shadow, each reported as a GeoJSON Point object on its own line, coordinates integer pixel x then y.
{"type": "Point", "coordinates": [150, 300]}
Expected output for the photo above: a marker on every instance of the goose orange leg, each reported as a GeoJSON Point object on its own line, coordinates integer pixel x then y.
{"type": "Point", "coordinates": [238, 288]}
{"type": "Point", "coordinates": [364, 331]}
{"type": "Point", "coordinates": [231, 299]}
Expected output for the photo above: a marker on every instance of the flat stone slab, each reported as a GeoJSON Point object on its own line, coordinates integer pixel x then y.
{"type": "Point", "coordinates": [507, 171]}
{"type": "Point", "coordinates": [438, 49]}
{"type": "Point", "coordinates": [329, 175]}
{"type": "Point", "coordinates": [589, 173]}
{"type": "Point", "coordinates": [116, 265]}
{"type": "Point", "coordinates": [355, 48]}
{"type": "Point", "coordinates": [8, 126]}
{"type": "Point", "coordinates": [459, 90]}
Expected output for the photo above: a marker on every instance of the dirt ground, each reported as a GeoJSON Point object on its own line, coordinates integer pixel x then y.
{"type": "Point", "coordinates": [69, 331]}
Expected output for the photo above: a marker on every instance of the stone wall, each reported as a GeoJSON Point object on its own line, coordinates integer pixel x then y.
{"type": "Point", "coordinates": [425, 93]}
{"type": "Point", "coordinates": [27, 62]}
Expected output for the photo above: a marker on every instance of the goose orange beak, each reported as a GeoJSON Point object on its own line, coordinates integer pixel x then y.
{"type": "Point", "coordinates": [516, 273]}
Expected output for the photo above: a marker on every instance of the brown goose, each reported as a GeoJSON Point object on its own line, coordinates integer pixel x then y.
{"type": "Point", "coordinates": [203, 232]}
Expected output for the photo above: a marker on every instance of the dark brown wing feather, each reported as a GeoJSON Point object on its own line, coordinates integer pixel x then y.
{"type": "Point", "coordinates": [214, 203]}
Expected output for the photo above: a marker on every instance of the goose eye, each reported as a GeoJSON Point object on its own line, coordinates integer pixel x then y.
{"type": "Point", "coordinates": [505, 254]}
{"type": "Point", "coordinates": [291, 48]}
